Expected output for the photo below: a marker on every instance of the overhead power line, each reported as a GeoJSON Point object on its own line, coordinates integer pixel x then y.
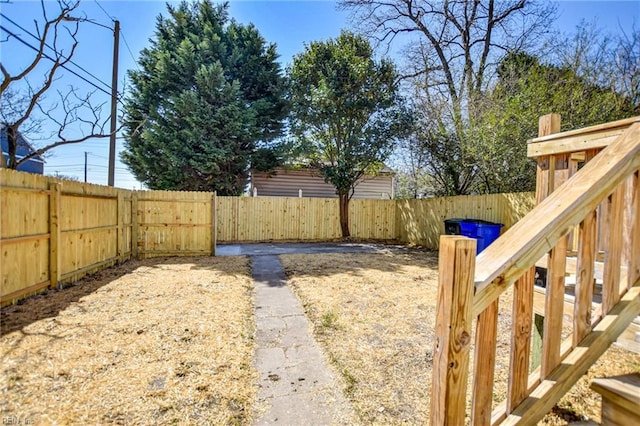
{"type": "Point", "coordinates": [135, 61]}
{"type": "Point", "coordinates": [105, 12]}
{"type": "Point", "coordinates": [54, 50]}
{"type": "Point", "coordinates": [53, 60]}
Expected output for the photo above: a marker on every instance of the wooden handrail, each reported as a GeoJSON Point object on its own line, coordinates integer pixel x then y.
{"type": "Point", "coordinates": [588, 208]}
{"type": "Point", "coordinates": [521, 246]}
{"type": "Point", "coordinates": [591, 137]}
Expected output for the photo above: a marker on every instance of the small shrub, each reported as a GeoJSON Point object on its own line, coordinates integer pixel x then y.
{"type": "Point", "coordinates": [329, 321]}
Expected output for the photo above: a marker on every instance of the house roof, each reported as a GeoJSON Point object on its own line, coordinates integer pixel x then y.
{"type": "Point", "coordinates": [303, 166]}
{"type": "Point", "coordinates": [24, 147]}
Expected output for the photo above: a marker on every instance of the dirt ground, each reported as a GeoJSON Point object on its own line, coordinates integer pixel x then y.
{"type": "Point", "coordinates": [374, 316]}
{"type": "Point", "coordinates": [170, 341]}
{"type": "Point", "coordinates": [159, 341]}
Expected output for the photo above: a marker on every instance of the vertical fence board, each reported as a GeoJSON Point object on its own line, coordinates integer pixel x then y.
{"type": "Point", "coordinates": [134, 225]}
{"type": "Point", "coordinates": [54, 234]}
{"type": "Point", "coordinates": [214, 223]}
{"type": "Point", "coordinates": [120, 220]}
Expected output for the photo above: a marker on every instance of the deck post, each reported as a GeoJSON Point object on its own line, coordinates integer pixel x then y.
{"type": "Point", "coordinates": [545, 184]}
{"type": "Point", "coordinates": [453, 329]}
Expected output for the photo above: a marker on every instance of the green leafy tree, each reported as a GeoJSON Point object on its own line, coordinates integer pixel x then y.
{"type": "Point", "coordinates": [346, 112]}
{"type": "Point", "coordinates": [207, 102]}
{"type": "Point", "coordinates": [525, 90]}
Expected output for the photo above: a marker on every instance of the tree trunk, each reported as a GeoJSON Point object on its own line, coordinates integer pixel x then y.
{"type": "Point", "coordinates": [12, 147]}
{"type": "Point", "coordinates": [344, 215]}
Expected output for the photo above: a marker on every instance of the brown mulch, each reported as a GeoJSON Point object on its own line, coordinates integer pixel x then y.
{"type": "Point", "coordinates": [374, 316]}
{"type": "Point", "coordinates": [159, 341]}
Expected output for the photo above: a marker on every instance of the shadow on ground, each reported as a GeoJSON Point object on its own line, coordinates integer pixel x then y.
{"type": "Point", "coordinates": [393, 257]}
{"type": "Point", "coordinates": [50, 303]}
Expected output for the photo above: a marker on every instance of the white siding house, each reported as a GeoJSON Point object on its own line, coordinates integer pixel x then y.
{"type": "Point", "coordinates": [308, 182]}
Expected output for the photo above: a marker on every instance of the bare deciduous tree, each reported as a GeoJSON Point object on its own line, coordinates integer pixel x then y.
{"type": "Point", "coordinates": [604, 59]}
{"type": "Point", "coordinates": [459, 41]}
{"type": "Point", "coordinates": [23, 109]}
{"type": "Point", "coordinates": [453, 48]}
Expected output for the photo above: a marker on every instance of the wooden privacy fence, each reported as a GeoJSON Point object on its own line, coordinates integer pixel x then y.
{"type": "Point", "coordinates": [302, 219]}
{"type": "Point", "coordinates": [170, 223]}
{"type": "Point", "coordinates": [54, 231]}
{"type": "Point", "coordinates": [419, 222]}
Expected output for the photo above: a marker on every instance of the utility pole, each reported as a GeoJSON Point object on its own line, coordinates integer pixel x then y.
{"type": "Point", "coordinates": [85, 166]}
{"type": "Point", "coordinates": [114, 104]}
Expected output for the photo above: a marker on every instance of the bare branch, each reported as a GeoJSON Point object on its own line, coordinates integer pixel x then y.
{"type": "Point", "coordinates": [76, 117]}
{"type": "Point", "coordinates": [64, 15]}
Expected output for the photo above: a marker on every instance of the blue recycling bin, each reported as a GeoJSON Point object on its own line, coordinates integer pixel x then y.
{"type": "Point", "coordinates": [484, 232]}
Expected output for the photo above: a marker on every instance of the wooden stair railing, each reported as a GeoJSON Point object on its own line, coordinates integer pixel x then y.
{"type": "Point", "coordinates": [592, 201]}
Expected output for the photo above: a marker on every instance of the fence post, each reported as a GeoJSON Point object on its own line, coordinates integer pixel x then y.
{"type": "Point", "coordinates": [214, 223]}
{"type": "Point", "coordinates": [55, 190]}
{"type": "Point", "coordinates": [120, 236]}
{"type": "Point", "coordinates": [134, 224]}
{"type": "Point", "coordinates": [453, 329]}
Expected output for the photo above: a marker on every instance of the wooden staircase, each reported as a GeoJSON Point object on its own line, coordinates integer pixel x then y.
{"type": "Point", "coordinates": [586, 225]}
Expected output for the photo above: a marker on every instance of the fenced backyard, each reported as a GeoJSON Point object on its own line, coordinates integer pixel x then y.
{"type": "Point", "coordinates": [54, 231]}
{"type": "Point", "coordinates": [584, 231]}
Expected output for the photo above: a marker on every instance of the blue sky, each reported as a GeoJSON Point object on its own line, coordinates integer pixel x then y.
{"type": "Point", "coordinates": [289, 24]}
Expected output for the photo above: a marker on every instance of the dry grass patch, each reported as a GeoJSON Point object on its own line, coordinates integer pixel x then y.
{"type": "Point", "coordinates": [374, 315]}
{"type": "Point", "coordinates": [166, 341]}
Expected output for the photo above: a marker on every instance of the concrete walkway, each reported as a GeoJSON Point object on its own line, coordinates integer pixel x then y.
{"type": "Point", "coordinates": [257, 249]}
{"type": "Point", "coordinates": [296, 385]}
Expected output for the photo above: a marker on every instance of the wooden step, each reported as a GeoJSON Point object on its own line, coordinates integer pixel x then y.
{"type": "Point", "coordinates": [572, 265]}
{"type": "Point", "coordinates": [630, 338]}
{"type": "Point", "coordinates": [620, 399]}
